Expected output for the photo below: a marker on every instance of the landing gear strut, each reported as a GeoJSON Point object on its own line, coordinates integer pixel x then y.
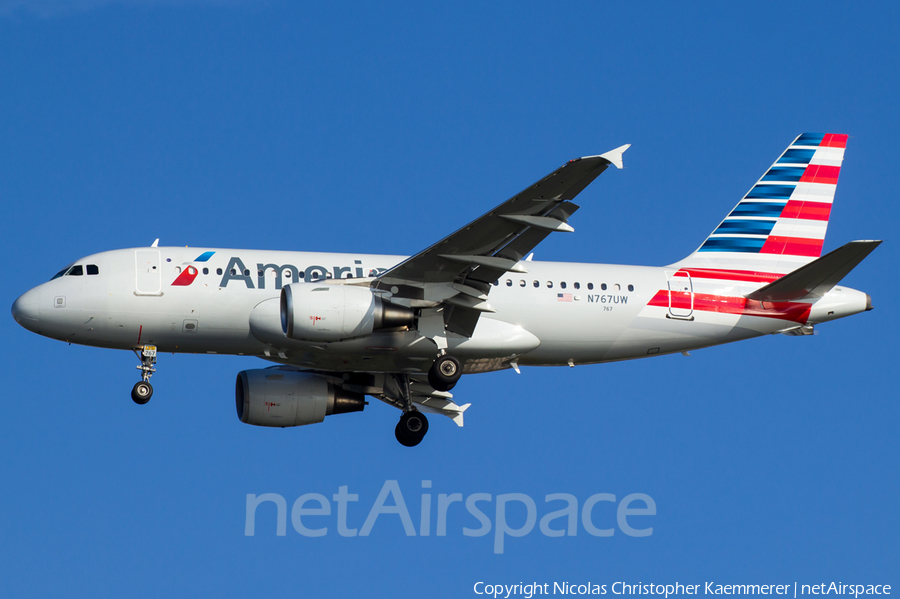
{"type": "Point", "coordinates": [143, 390]}
{"type": "Point", "coordinates": [444, 373]}
{"type": "Point", "coordinates": [413, 425]}
{"type": "Point", "coordinates": [412, 428]}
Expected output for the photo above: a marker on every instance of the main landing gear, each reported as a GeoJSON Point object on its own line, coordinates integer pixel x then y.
{"type": "Point", "coordinates": [443, 376]}
{"type": "Point", "coordinates": [444, 373]}
{"type": "Point", "coordinates": [143, 390]}
{"type": "Point", "coordinates": [413, 425]}
{"type": "Point", "coordinates": [411, 429]}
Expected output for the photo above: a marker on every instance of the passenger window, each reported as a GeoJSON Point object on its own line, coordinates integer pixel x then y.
{"type": "Point", "coordinates": [205, 270]}
{"type": "Point", "coordinates": [509, 282]}
{"type": "Point", "coordinates": [496, 283]}
{"type": "Point", "coordinates": [631, 288]}
{"type": "Point", "coordinates": [549, 284]}
{"type": "Point", "coordinates": [92, 269]}
{"type": "Point", "coordinates": [576, 285]}
{"type": "Point", "coordinates": [618, 287]}
{"type": "Point", "coordinates": [522, 283]}
{"type": "Point", "coordinates": [233, 272]}
{"type": "Point", "coordinates": [177, 270]}
{"type": "Point", "coordinates": [590, 285]}
{"type": "Point", "coordinates": [562, 285]}
{"type": "Point", "coordinates": [75, 271]}
{"type": "Point", "coordinates": [246, 272]}
{"type": "Point", "coordinates": [537, 283]}
{"type": "Point", "coordinates": [218, 271]}
{"type": "Point", "coordinates": [603, 286]}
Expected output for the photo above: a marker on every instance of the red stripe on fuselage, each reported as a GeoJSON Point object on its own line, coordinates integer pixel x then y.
{"type": "Point", "coordinates": [806, 210]}
{"type": "Point", "coordinates": [793, 246]}
{"type": "Point", "coordinates": [819, 173]}
{"type": "Point", "coordinates": [730, 275]}
{"type": "Point", "coordinates": [742, 306]}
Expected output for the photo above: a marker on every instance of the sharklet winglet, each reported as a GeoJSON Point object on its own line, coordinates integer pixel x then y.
{"type": "Point", "coordinates": [615, 156]}
{"type": "Point", "coordinates": [458, 419]}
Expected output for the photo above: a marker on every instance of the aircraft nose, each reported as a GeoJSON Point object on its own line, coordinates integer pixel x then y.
{"type": "Point", "coordinates": [26, 309]}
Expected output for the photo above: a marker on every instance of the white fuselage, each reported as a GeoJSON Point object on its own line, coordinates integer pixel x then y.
{"type": "Point", "coordinates": [556, 314]}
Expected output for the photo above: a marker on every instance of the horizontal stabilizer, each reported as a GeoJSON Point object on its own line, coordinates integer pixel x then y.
{"type": "Point", "coordinates": [815, 279]}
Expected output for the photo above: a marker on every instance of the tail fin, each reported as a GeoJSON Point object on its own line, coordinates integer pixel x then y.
{"type": "Point", "coordinates": [780, 224]}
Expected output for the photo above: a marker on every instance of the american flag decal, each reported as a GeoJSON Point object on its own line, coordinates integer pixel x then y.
{"type": "Point", "coordinates": [564, 297]}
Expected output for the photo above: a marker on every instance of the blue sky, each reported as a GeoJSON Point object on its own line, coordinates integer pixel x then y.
{"type": "Point", "coordinates": [352, 127]}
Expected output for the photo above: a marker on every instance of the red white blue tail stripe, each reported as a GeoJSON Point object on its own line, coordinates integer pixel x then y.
{"type": "Point", "coordinates": [780, 223]}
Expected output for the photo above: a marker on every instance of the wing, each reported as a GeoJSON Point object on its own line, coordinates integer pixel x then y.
{"type": "Point", "coordinates": [455, 274]}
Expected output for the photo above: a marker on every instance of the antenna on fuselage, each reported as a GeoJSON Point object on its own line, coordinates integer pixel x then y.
{"type": "Point", "coordinates": [155, 243]}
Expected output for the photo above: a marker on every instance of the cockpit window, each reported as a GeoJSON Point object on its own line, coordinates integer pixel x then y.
{"type": "Point", "coordinates": [92, 269]}
{"type": "Point", "coordinates": [75, 271]}
{"type": "Point", "coordinates": [62, 272]}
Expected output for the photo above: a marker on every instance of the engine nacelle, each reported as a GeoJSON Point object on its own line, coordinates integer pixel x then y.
{"type": "Point", "coordinates": [271, 397]}
{"type": "Point", "coordinates": [311, 312]}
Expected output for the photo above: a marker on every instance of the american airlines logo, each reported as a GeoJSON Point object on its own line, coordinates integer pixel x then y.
{"type": "Point", "coordinates": [187, 276]}
{"type": "Point", "coordinates": [283, 273]}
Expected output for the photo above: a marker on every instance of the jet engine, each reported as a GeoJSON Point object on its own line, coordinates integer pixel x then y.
{"type": "Point", "coordinates": [271, 397]}
{"type": "Point", "coordinates": [311, 312]}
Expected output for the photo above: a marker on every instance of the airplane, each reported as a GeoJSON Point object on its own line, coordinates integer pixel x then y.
{"type": "Point", "coordinates": [341, 327]}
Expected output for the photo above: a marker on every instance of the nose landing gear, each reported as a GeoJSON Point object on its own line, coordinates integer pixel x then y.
{"type": "Point", "coordinates": [143, 390]}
